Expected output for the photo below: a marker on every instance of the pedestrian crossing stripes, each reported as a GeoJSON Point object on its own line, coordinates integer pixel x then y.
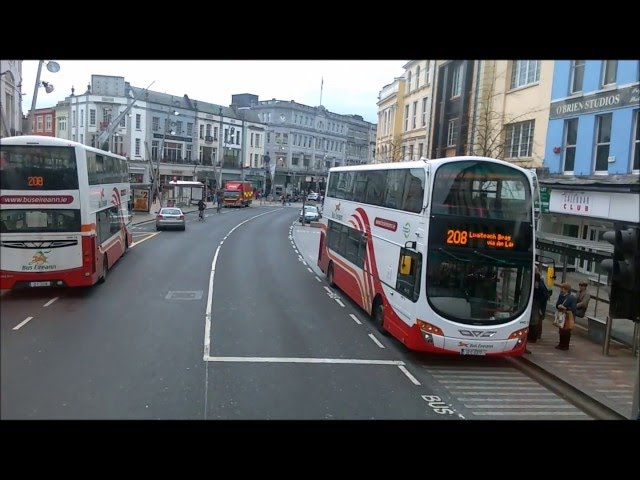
{"type": "Point", "coordinates": [502, 393]}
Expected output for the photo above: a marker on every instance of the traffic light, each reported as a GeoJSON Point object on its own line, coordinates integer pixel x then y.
{"type": "Point", "coordinates": [624, 271]}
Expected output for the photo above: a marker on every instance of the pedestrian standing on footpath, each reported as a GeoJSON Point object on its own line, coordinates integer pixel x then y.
{"type": "Point", "coordinates": [582, 299]}
{"type": "Point", "coordinates": [566, 303]}
{"type": "Point", "coordinates": [538, 309]}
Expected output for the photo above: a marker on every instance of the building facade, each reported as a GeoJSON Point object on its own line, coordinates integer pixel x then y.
{"type": "Point", "coordinates": [10, 98]}
{"type": "Point", "coordinates": [592, 154]}
{"type": "Point", "coordinates": [163, 135]}
{"type": "Point", "coordinates": [390, 108]}
{"type": "Point", "coordinates": [303, 142]}
{"type": "Point", "coordinates": [416, 109]}
{"type": "Point", "coordinates": [44, 122]}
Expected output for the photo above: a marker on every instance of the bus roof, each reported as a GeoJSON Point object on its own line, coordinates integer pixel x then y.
{"type": "Point", "coordinates": [422, 164]}
{"type": "Point", "coordinates": [51, 141]}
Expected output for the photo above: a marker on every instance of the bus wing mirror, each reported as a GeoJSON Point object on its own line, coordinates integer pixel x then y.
{"type": "Point", "coordinates": [405, 265]}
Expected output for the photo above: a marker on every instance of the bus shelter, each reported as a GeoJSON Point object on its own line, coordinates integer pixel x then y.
{"type": "Point", "coordinates": [182, 193]}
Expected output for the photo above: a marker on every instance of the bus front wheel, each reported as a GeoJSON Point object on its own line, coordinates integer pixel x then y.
{"type": "Point", "coordinates": [377, 314]}
{"type": "Point", "coordinates": [330, 275]}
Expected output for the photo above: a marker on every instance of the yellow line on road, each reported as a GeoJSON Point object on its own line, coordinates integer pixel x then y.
{"type": "Point", "coordinates": [151, 234]}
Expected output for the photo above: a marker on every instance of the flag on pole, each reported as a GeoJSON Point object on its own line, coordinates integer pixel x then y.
{"type": "Point", "coordinates": [321, 85]}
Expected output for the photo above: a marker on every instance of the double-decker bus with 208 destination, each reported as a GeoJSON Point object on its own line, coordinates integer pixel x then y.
{"type": "Point", "coordinates": [440, 253]}
{"type": "Point", "coordinates": [64, 218]}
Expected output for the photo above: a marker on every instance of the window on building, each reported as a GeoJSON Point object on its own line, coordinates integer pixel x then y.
{"type": "Point", "coordinates": [189, 150]}
{"type": "Point", "coordinates": [577, 76]}
{"type": "Point", "coordinates": [456, 81]}
{"type": "Point", "coordinates": [189, 129]}
{"type": "Point", "coordinates": [411, 152]}
{"type": "Point", "coordinates": [62, 123]}
{"type": "Point", "coordinates": [215, 133]}
{"type": "Point", "coordinates": [524, 72]}
{"type": "Point", "coordinates": [92, 116]}
{"type": "Point", "coordinates": [570, 141]}
{"type": "Point", "coordinates": [404, 153]}
{"type": "Point", "coordinates": [155, 124]}
{"type": "Point", "coordinates": [636, 144]}
{"type": "Point", "coordinates": [74, 118]}
{"type": "Point", "coordinates": [415, 114]}
{"type": "Point", "coordinates": [257, 140]}
{"type": "Point", "coordinates": [417, 77]}
{"type": "Point", "coordinates": [520, 139]}
{"type": "Point", "coordinates": [452, 133]}
{"type": "Point", "coordinates": [208, 129]}
{"type": "Point", "coordinates": [603, 142]}
{"type": "Point", "coordinates": [48, 121]}
{"type": "Point", "coordinates": [40, 122]}
{"type": "Point", "coordinates": [123, 121]}
{"type": "Point", "coordinates": [82, 118]}
{"type": "Point", "coordinates": [137, 147]}
{"type": "Point", "coordinates": [424, 111]}
{"type": "Point", "coordinates": [178, 128]}
{"type": "Point", "coordinates": [201, 131]}
{"type": "Point", "coordinates": [426, 73]}
{"type": "Point", "coordinates": [409, 81]}
{"type": "Point", "coordinates": [406, 118]}
{"type": "Point", "coordinates": [138, 121]}
{"type": "Point", "coordinates": [420, 148]}
{"type": "Point", "coordinates": [251, 140]}
{"type": "Point", "coordinates": [609, 71]}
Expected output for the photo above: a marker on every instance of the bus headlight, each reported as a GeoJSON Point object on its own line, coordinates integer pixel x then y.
{"type": "Point", "coordinates": [521, 335]}
{"type": "Point", "coordinates": [427, 330]}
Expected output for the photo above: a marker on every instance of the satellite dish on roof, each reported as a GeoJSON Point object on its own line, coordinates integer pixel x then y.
{"type": "Point", "coordinates": [53, 67]}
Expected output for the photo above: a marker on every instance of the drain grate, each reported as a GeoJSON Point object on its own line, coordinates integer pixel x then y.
{"type": "Point", "coordinates": [188, 295]}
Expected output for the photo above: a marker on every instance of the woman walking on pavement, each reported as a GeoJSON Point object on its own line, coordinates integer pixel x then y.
{"type": "Point", "coordinates": [566, 303]}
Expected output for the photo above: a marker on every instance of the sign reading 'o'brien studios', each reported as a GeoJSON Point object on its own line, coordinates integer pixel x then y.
{"type": "Point", "coordinates": [621, 97]}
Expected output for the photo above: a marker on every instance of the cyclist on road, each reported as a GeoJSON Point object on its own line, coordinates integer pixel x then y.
{"type": "Point", "coordinates": [201, 207]}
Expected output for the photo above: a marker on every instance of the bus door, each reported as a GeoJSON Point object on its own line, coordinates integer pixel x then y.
{"type": "Point", "coordinates": [407, 288]}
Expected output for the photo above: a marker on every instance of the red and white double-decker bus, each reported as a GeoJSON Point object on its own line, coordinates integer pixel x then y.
{"type": "Point", "coordinates": [440, 253]}
{"type": "Point", "coordinates": [64, 216]}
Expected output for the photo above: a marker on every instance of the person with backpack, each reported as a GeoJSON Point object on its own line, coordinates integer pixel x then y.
{"type": "Point", "coordinates": [201, 206]}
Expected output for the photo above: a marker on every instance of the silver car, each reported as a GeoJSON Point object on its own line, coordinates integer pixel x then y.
{"type": "Point", "coordinates": [170, 217]}
{"type": "Point", "coordinates": [311, 214]}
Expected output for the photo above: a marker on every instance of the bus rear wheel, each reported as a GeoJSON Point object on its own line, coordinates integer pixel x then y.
{"type": "Point", "coordinates": [330, 275]}
{"type": "Point", "coordinates": [377, 315]}
{"type": "Point", "coordinates": [105, 268]}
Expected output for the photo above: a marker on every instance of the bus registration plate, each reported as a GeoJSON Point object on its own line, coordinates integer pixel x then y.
{"type": "Point", "coordinates": [40, 284]}
{"type": "Point", "coordinates": [472, 351]}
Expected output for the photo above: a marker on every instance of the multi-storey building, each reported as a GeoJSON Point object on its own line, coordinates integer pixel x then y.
{"type": "Point", "coordinates": [304, 142]}
{"type": "Point", "coordinates": [390, 108]}
{"type": "Point", "coordinates": [592, 155]}
{"type": "Point", "coordinates": [416, 109]}
{"type": "Point", "coordinates": [10, 98]}
{"type": "Point", "coordinates": [44, 122]}
{"type": "Point", "coordinates": [174, 135]}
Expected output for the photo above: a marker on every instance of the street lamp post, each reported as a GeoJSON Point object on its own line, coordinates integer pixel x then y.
{"type": "Point", "coordinates": [53, 67]}
{"type": "Point", "coordinates": [170, 123]}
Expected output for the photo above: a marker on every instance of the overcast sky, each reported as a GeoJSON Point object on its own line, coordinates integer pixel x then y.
{"type": "Point", "coordinates": [349, 86]}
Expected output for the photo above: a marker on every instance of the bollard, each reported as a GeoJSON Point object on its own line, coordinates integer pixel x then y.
{"type": "Point", "coordinates": [607, 336]}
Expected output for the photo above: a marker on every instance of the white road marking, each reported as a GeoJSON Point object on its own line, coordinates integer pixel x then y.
{"type": "Point", "coordinates": [339, 302]}
{"type": "Point", "coordinates": [151, 234]}
{"type": "Point", "coordinates": [355, 318]}
{"type": "Point", "coordinates": [353, 361]}
{"type": "Point", "coordinates": [22, 323]}
{"type": "Point", "coordinates": [305, 263]}
{"type": "Point", "coordinates": [295, 250]}
{"type": "Point", "coordinates": [207, 317]}
{"type": "Point", "coordinates": [310, 271]}
{"type": "Point", "coordinates": [408, 374]}
{"type": "Point", "coordinates": [50, 302]}
{"type": "Point", "coordinates": [318, 278]}
{"type": "Point", "coordinates": [375, 340]}
{"type": "Point", "coordinates": [327, 289]}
